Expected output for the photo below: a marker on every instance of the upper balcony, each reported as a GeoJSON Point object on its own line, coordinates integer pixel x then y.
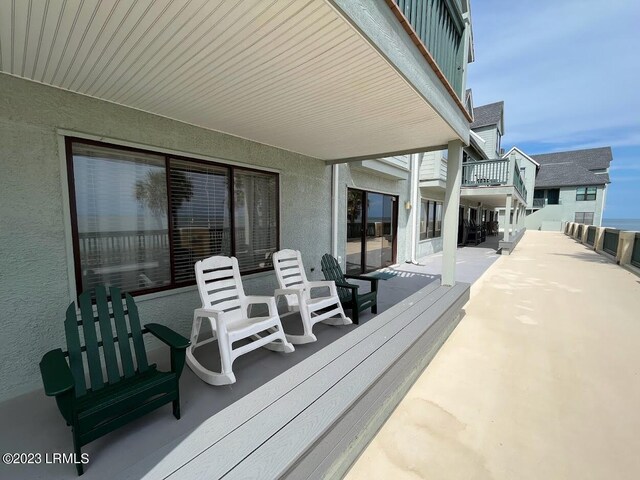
{"type": "Point", "coordinates": [479, 178]}
{"type": "Point", "coordinates": [437, 28]}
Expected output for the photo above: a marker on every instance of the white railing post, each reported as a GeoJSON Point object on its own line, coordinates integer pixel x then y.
{"type": "Point", "coordinates": [507, 219]}
{"type": "Point", "coordinates": [451, 206]}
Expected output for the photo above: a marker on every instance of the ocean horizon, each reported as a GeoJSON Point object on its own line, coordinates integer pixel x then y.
{"type": "Point", "coordinates": [632, 224]}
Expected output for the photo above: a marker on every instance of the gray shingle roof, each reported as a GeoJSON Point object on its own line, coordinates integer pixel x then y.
{"type": "Point", "coordinates": [487, 115]}
{"type": "Point", "coordinates": [591, 159]}
{"type": "Point", "coordinates": [567, 174]}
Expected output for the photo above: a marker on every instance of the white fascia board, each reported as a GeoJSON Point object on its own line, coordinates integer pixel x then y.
{"type": "Point", "coordinates": [516, 149]}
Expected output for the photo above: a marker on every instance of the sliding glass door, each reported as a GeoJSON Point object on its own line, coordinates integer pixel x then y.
{"type": "Point", "coordinates": [371, 230]}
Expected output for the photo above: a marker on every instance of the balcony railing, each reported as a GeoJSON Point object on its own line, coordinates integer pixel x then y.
{"type": "Point", "coordinates": [538, 203]}
{"type": "Point", "coordinates": [518, 181]}
{"type": "Point", "coordinates": [485, 173]}
{"type": "Point", "coordinates": [439, 26]}
{"type": "Point", "coordinates": [489, 173]}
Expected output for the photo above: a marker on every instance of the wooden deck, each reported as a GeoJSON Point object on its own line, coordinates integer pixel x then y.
{"type": "Point", "coordinates": [314, 420]}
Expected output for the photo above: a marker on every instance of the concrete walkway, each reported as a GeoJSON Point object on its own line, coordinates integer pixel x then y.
{"type": "Point", "coordinates": [540, 380]}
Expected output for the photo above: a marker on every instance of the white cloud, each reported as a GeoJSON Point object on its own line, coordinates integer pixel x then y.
{"type": "Point", "coordinates": [566, 70]}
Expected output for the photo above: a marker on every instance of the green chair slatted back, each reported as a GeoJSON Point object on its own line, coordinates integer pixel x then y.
{"type": "Point", "coordinates": [332, 271]}
{"type": "Point", "coordinates": [108, 305]}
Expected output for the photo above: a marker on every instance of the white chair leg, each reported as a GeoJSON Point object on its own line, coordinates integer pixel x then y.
{"type": "Point", "coordinates": [342, 319]}
{"type": "Point", "coordinates": [280, 345]}
{"type": "Point", "coordinates": [307, 336]}
{"type": "Point", "coordinates": [225, 377]}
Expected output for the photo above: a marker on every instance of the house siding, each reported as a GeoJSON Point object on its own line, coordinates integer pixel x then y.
{"type": "Point", "coordinates": [434, 166]}
{"type": "Point", "coordinates": [34, 266]}
{"type": "Point", "coordinates": [490, 136]}
{"type": "Point", "coordinates": [552, 216]}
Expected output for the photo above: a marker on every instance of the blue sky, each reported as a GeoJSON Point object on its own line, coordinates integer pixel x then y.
{"type": "Point", "coordinates": [568, 72]}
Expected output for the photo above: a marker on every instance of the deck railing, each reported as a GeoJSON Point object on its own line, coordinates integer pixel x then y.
{"type": "Point", "coordinates": [439, 26]}
{"type": "Point", "coordinates": [490, 173]}
{"type": "Point", "coordinates": [485, 173]}
{"type": "Point", "coordinates": [538, 203]}
{"type": "Point", "coordinates": [518, 181]}
{"type": "Point", "coordinates": [611, 239]}
{"type": "Point", "coordinates": [591, 235]}
{"type": "Point", "coordinates": [635, 255]}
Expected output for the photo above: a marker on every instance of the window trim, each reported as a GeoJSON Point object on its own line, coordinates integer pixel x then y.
{"type": "Point", "coordinates": [430, 202]}
{"type": "Point", "coordinates": [69, 140]}
{"type": "Point", "coordinates": [593, 217]}
{"type": "Point", "coordinates": [586, 194]}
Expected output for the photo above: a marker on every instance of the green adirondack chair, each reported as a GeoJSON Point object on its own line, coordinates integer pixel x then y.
{"type": "Point", "coordinates": [348, 292]}
{"type": "Point", "coordinates": [130, 389]}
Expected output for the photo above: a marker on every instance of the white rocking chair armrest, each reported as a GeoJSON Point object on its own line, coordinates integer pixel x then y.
{"type": "Point", "coordinates": [260, 299]}
{"type": "Point", "coordinates": [208, 312]}
{"type": "Point", "coordinates": [324, 284]}
{"type": "Point", "coordinates": [288, 291]}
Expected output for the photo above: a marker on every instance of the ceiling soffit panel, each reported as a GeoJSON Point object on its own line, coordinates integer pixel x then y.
{"type": "Point", "coordinates": [292, 74]}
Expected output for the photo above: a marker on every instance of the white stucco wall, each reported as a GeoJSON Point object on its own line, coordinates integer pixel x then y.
{"type": "Point", "coordinates": [35, 285]}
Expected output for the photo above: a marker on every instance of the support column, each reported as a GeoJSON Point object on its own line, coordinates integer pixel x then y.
{"type": "Point", "coordinates": [516, 217]}
{"type": "Point", "coordinates": [451, 206]}
{"type": "Point", "coordinates": [507, 219]}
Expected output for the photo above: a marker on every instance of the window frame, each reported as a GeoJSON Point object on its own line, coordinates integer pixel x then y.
{"type": "Point", "coordinates": [432, 207]}
{"type": "Point", "coordinates": [586, 196]}
{"type": "Point", "coordinates": [575, 217]}
{"type": "Point", "coordinates": [69, 140]}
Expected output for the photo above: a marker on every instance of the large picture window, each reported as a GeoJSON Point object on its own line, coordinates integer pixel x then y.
{"type": "Point", "coordinates": [141, 220]}
{"type": "Point", "coordinates": [430, 219]}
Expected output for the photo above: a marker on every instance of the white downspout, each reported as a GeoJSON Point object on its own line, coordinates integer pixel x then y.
{"type": "Point", "coordinates": [334, 210]}
{"type": "Point", "coordinates": [415, 203]}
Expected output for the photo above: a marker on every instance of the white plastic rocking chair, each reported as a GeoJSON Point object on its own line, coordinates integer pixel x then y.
{"type": "Point", "coordinates": [296, 289]}
{"type": "Point", "coordinates": [226, 306]}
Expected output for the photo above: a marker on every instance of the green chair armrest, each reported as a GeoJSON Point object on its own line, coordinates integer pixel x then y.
{"type": "Point", "coordinates": [363, 277]}
{"type": "Point", "coordinates": [347, 285]}
{"type": "Point", "coordinates": [373, 280]}
{"type": "Point", "coordinates": [56, 374]}
{"type": "Point", "coordinates": [167, 336]}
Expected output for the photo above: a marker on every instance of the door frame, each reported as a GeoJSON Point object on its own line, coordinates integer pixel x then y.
{"type": "Point", "coordinates": [363, 229]}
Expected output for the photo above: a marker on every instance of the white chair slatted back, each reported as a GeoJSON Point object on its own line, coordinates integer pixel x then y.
{"type": "Point", "coordinates": [290, 272]}
{"type": "Point", "coordinates": [220, 285]}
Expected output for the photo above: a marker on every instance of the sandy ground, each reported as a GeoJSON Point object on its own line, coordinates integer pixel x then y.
{"type": "Point", "coordinates": [540, 380]}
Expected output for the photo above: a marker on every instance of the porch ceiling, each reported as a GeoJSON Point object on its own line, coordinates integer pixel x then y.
{"type": "Point", "coordinates": [490, 196]}
{"type": "Point", "coordinates": [292, 74]}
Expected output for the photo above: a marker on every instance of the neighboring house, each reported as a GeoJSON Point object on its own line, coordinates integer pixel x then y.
{"type": "Point", "coordinates": [131, 149]}
{"type": "Point", "coordinates": [491, 180]}
{"type": "Point", "coordinates": [570, 186]}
